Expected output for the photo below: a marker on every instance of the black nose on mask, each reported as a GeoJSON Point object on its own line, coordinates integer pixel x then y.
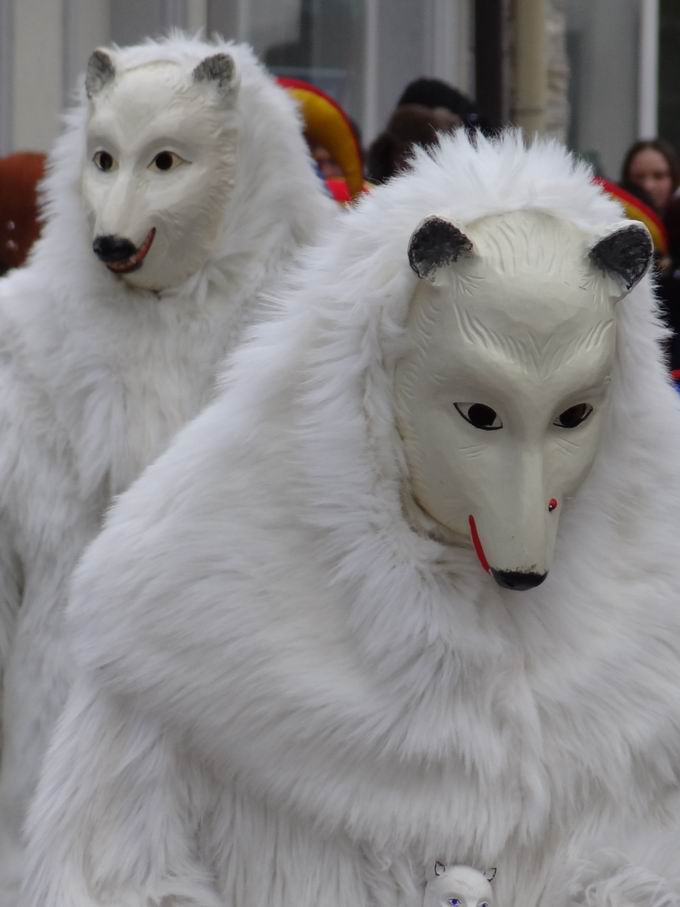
{"type": "Point", "coordinates": [520, 582]}
{"type": "Point", "coordinates": [113, 248]}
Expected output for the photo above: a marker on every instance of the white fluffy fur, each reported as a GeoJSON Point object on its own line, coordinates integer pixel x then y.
{"type": "Point", "coordinates": [289, 696]}
{"type": "Point", "coordinates": [98, 376]}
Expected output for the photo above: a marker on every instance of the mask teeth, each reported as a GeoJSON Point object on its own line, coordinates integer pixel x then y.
{"type": "Point", "coordinates": [138, 257]}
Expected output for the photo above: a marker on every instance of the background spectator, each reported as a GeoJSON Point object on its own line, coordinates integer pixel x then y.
{"type": "Point", "coordinates": [652, 165]}
{"type": "Point", "coordinates": [426, 107]}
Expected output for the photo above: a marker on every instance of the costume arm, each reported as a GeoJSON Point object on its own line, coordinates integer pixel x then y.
{"type": "Point", "coordinates": [110, 819]}
{"type": "Point", "coordinates": [11, 589]}
{"type": "Point", "coordinates": [622, 867]}
{"type": "Point", "coordinates": [173, 611]}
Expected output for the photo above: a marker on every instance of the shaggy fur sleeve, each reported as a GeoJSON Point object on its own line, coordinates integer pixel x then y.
{"type": "Point", "coordinates": [620, 867]}
{"type": "Point", "coordinates": [11, 585]}
{"type": "Point", "coordinates": [162, 595]}
{"type": "Point", "coordinates": [111, 815]}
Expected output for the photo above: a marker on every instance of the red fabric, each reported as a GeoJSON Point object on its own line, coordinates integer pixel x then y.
{"type": "Point", "coordinates": [339, 190]}
{"type": "Point", "coordinates": [19, 224]}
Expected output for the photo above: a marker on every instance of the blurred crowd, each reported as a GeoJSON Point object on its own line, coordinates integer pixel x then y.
{"type": "Point", "coordinates": [647, 187]}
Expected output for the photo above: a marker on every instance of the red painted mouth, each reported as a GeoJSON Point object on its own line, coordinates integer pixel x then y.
{"type": "Point", "coordinates": [134, 262]}
{"type": "Point", "coordinates": [476, 541]}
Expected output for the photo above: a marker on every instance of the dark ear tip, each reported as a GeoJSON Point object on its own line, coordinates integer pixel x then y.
{"type": "Point", "coordinates": [435, 243]}
{"type": "Point", "coordinates": [100, 70]}
{"type": "Point", "coordinates": [219, 68]}
{"type": "Point", "coordinates": [626, 253]}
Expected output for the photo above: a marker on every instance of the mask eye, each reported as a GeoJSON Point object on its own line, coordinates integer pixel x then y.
{"type": "Point", "coordinates": [479, 415]}
{"type": "Point", "coordinates": [455, 902]}
{"type": "Point", "coordinates": [103, 161]}
{"type": "Point", "coordinates": [574, 416]}
{"type": "Point", "coordinates": [166, 160]}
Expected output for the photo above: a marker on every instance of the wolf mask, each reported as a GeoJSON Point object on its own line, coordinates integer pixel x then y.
{"type": "Point", "coordinates": [161, 147]}
{"type": "Point", "coordinates": [502, 393]}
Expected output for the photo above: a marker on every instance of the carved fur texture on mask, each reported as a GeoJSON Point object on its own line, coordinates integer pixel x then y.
{"type": "Point", "coordinates": [98, 375]}
{"type": "Point", "coordinates": [289, 693]}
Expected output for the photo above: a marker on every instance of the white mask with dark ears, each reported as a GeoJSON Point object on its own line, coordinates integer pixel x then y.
{"type": "Point", "coordinates": [502, 392]}
{"type": "Point", "coordinates": [459, 886]}
{"type": "Point", "coordinates": [161, 152]}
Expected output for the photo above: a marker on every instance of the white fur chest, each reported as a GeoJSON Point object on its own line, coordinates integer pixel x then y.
{"type": "Point", "coordinates": [161, 379]}
{"type": "Point", "coordinates": [120, 379]}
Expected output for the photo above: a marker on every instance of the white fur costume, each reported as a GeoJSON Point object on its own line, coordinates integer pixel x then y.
{"type": "Point", "coordinates": [97, 373]}
{"type": "Point", "coordinates": [292, 695]}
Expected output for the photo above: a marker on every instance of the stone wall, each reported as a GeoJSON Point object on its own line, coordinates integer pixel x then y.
{"type": "Point", "coordinates": [554, 118]}
{"type": "Point", "coordinates": [557, 65]}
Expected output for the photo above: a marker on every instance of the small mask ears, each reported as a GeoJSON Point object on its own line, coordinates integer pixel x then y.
{"type": "Point", "coordinates": [439, 868]}
{"type": "Point", "coordinates": [100, 71]}
{"type": "Point", "coordinates": [625, 253]}
{"type": "Point", "coordinates": [219, 69]}
{"type": "Point", "coordinates": [490, 874]}
{"type": "Point", "coordinates": [434, 244]}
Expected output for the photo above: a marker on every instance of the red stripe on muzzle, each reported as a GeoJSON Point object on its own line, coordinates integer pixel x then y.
{"type": "Point", "coordinates": [478, 544]}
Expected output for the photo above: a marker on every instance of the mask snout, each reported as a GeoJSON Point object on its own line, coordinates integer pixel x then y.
{"type": "Point", "coordinates": [110, 248]}
{"type": "Point", "coordinates": [513, 530]}
{"type": "Point", "coordinates": [120, 255]}
{"type": "Point", "coordinates": [517, 580]}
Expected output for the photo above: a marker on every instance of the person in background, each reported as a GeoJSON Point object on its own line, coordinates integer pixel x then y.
{"type": "Point", "coordinates": [426, 108]}
{"type": "Point", "coordinates": [332, 138]}
{"type": "Point", "coordinates": [651, 171]}
{"type": "Point", "coordinates": [443, 99]}
{"type": "Point", "coordinates": [326, 164]}
{"type": "Point", "coordinates": [653, 165]}
{"type": "Point", "coordinates": [668, 288]}
{"type": "Point", "coordinates": [20, 174]}
{"type": "Point", "coordinates": [408, 126]}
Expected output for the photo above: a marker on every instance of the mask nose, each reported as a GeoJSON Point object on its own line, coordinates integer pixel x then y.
{"type": "Point", "coordinates": [113, 248]}
{"type": "Point", "coordinates": [514, 579]}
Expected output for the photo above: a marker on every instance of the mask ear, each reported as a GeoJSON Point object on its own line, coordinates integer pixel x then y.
{"type": "Point", "coordinates": [219, 69]}
{"type": "Point", "coordinates": [100, 71]}
{"type": "Point", "coordinates": [490, 874]}
{"type": "Point", "coordinates": [439, 868]}
{"type": "Point", "coordinates": [625, 253]}
{"type": "Point", "coordinates": [434, 244]}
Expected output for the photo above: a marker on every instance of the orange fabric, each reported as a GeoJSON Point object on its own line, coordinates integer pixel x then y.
{"type": "Point", "coordinates": [19, 225]}
{"type": "Point", "coordinates": [326, 123]}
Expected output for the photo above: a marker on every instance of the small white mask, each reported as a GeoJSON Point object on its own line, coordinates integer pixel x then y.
{"type": "Point", "coordinates": [160, 164]}
{"type": "Point", "coordinates": [502, 393]}
{"type": "Point", "coordinates": [459, 886]}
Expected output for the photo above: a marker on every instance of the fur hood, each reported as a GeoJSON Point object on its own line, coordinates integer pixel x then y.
{"type": "Point", "coordinates": [80, 333]}
{"type": "Point", "coordinates": [262, 590]}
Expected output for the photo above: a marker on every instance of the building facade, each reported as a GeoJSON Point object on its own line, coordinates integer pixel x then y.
{"type": "Point", "coordinates": [362, 51]}
{"type": "Point", "coordinates": [585, 72]}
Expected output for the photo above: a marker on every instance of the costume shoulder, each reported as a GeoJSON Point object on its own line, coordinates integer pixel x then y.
{"type": "Point", "coordinates": [158, 546]}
